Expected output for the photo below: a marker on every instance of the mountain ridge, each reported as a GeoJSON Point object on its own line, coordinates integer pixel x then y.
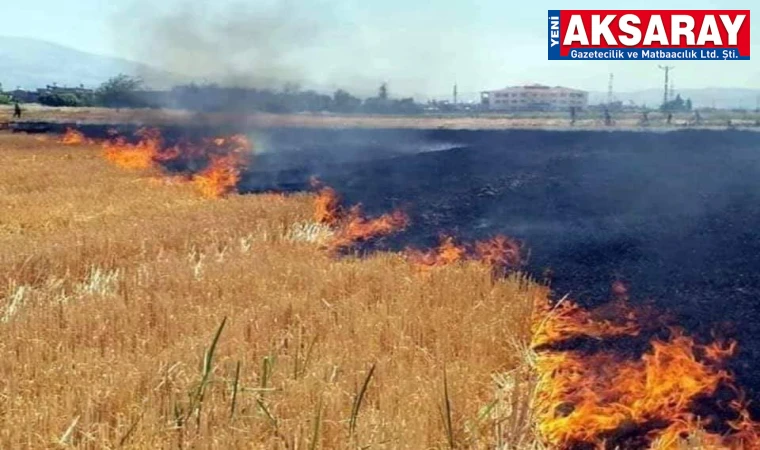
{"type": "Point", "coordinates": [29, 63]}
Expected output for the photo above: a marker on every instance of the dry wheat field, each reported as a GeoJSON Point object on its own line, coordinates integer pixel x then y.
{"type": "Point", "coordinates": [136, 313]}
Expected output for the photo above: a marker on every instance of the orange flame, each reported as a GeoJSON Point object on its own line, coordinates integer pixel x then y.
{"type": "Point", "coordinates": [327, 208]}
{"type": "Point", "coordinates": [141, 155]}
{"type": "Point", "coordinates": [220, 177]}
{"type": "Point", "coordinates": [352, 227]}
{"type": "Point", "coordinates": [222, 158]}
{"type": "Point", "coordinates": [448, 252]}
{"type": "Point", "coordinates": [226, 161]}
{"type": "Point", "coordinates": [74, 137]}
{"type": "Point", "coordinates": [500, 253]}
{"type": "Point", "coordinates": [595, 396]}
{"type": "Point", "coordinates": [355, 227]}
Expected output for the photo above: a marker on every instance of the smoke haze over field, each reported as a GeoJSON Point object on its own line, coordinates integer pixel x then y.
{"type": "Point", "coordinates": [419, 48]}
{"type": "Point", "coordinates": [323, 45]}
{"type": "Point", "coordinates": [241, 45]}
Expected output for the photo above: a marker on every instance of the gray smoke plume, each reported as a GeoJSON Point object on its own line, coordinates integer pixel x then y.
{"type": "Point", "coordinates": [240, 44]}
{"type": "Point", "coordinates": [317, 44]}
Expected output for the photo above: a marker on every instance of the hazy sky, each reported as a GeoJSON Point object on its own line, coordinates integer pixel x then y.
{"type": "Point", "coordinates": [419, 47]}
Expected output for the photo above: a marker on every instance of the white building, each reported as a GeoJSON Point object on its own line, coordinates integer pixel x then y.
{"type": "Point", "coordinates": [534, 97]}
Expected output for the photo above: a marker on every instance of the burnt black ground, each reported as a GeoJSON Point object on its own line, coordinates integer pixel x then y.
{"type": "Point", "coordinates": [676, 215]}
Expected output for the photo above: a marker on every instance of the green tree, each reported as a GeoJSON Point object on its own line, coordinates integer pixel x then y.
{"type": "Point", "coordinates": [67, 99]}
{"type": "Point", "coordinates": [382, 93]}
{"type": "Point", "coordinates": [345, 102]}
{"type": "Point", "coordinates": [120, 91]}
{"type": "Point", "coordinates": [4, 99]}
{"type": "Point", "coordinates": [677, 104]}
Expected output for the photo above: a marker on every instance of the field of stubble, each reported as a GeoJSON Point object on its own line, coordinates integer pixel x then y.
{"type": "Point", "coordinates": [115, 284]}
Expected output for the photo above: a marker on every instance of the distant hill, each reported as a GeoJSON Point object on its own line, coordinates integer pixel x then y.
{"type": "Point", "coordinates": [31, 63]}
{"type": "Point", "coordinates": [705, 97]}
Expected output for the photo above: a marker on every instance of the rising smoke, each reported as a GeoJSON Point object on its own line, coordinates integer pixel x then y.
{"type": "Point", "coordinates": [318, 44]}
{"type": "Point", "coordinates": [237, 44]}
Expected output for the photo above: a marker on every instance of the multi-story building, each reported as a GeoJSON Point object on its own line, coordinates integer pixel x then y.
{"type": "Point", "coordinates": [534, 97]}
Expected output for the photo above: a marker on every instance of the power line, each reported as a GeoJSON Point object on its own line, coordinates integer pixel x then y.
{"type": "Point", "coordinates": [667, 70]}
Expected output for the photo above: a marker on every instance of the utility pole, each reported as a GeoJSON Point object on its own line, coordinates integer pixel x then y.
{"type": "Point", "coordinates": [609, 90]}
{"type": "Point", "coordinates": [667, 70]}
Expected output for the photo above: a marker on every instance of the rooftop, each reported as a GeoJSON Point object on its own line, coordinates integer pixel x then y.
{"type": "Point", "coordinates": [536, 86]}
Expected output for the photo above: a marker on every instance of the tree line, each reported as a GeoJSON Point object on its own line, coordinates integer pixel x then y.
{"type": "Point", "coordinates": [124, 91]}
{"type": "Point", "coordinates": [5, 99]}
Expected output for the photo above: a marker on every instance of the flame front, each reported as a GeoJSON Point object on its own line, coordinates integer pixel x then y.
{"type": "Point", "coordinates": [356, 228]}
{"type": "Point", "coordinates": [327, 209]}
{"type": "Point", "coordinates": [142, 155]}
{"type": "Point", "coordinates": [226, 161]}
{"type": "Point", "coordinates": [74, 137]}
{"type": "Point", "coordinates": [500, 253]}
{"type": "Point", "coordinates": [592, 393]}
{"type": "Point", "coordinates": [448, 252]}
{"type": "Point", "coordinates": [221, 177]}
{"type": "Point", "coordinates": [213, 165]}
{"type": "Point", "coordinates": [352, 227]}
